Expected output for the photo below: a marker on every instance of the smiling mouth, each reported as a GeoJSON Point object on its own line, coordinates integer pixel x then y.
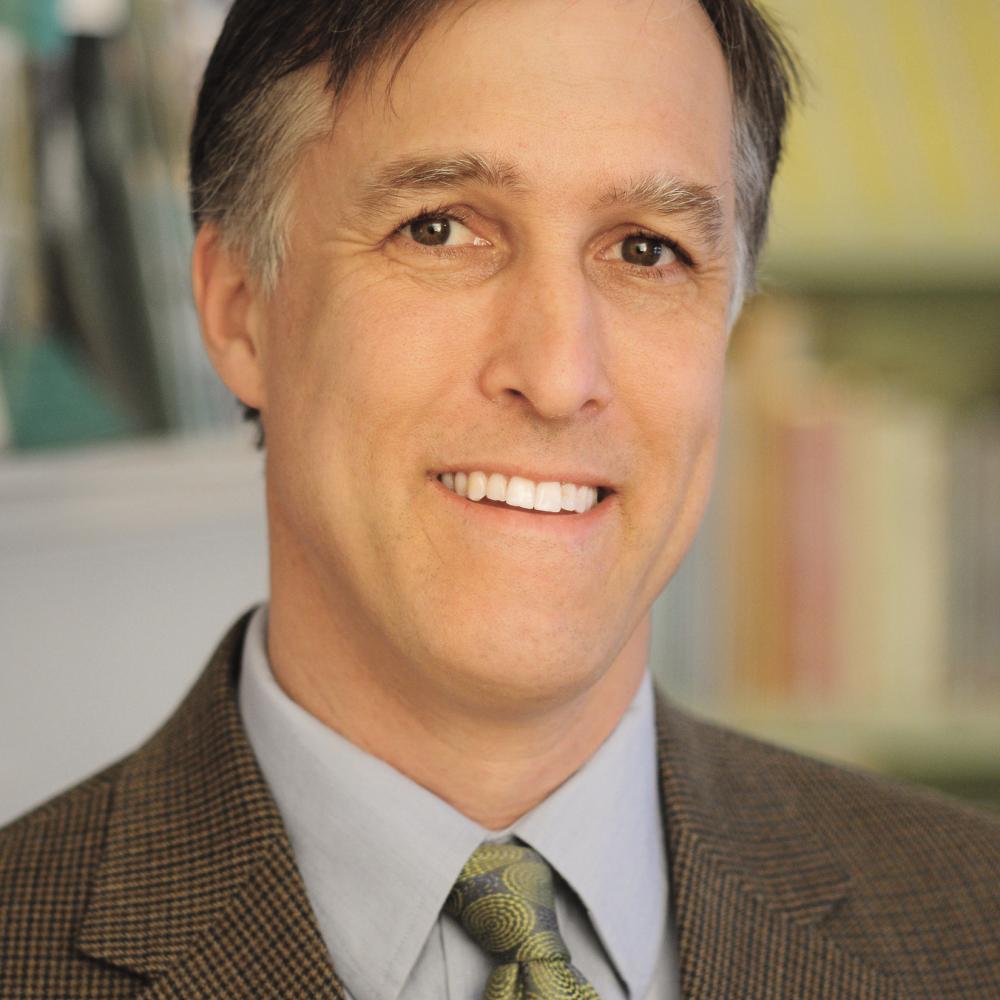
{"type": "Point", "coordinates": [549, 497]}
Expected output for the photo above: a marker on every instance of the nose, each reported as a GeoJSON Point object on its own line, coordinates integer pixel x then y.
{"type": "Point", "coordinates": [548, 346]}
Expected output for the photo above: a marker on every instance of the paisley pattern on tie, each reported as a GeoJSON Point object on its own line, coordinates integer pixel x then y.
{"type": "Point", "coordinates": [505, 900]}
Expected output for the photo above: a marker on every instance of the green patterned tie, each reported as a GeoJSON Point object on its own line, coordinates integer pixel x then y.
{"type": "Point", "coordinates": [505, 900]}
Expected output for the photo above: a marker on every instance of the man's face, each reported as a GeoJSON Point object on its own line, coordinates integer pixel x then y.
{"type": "Point", "coordinates": [535, 321]}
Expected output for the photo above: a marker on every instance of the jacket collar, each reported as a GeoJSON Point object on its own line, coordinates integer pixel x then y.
{"type": "Point", "coordinates": [198, 890]}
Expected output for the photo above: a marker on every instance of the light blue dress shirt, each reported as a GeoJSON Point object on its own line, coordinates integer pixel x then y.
{"type": "Point", "coordinates": [379, 854]}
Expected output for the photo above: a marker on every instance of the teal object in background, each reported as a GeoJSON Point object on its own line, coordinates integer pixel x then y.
{"type": "Point", "coordinates": [35, 22]}
{"type": "Point", "coordinates": [52, 401]}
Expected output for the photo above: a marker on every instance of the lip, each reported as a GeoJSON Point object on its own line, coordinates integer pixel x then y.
{"type": "Point", "coordinates": [568, 527]}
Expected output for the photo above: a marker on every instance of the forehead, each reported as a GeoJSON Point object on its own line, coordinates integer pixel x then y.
{"type": "Point", "coordinates": [574, 92]}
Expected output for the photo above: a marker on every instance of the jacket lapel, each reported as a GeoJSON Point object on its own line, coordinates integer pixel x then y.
{"type": "Point", "coordinates": [263, 943]}
{"type": "Point", "coordinates": [751, 883]}
{"type": "Point", "coordinates": [197, 888]}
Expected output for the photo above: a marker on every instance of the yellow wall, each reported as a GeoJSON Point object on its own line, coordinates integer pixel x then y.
{"type": "Point", "coordinates": [893, 167]}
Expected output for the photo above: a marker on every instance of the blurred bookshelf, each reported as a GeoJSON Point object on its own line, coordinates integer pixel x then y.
{"type": "Point", "coordinates": [843, 594]}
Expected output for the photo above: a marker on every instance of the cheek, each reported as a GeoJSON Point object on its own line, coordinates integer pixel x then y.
{"type": "Point", "coordinates": [363, 389]}
{"type": "Point", "coordinates": [680, 432]}
{"type": "Point", "coordinates": [393, 356]}
{"type": "Point", "coordinates": [358, 370]}
{"type": "Point", "coordinates": [672, 379]}
{"type": "Point", "coordinates": [676, 402]}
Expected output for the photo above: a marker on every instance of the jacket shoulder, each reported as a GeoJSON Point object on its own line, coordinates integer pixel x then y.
{"type": "Point", "coordinates": [925, 870]}
{"type": "Point", "coordinates": [868, 818]}
{"type": "Point", "coordinates": [48, 857]}
{"type": "Point", "coordinates": [877, 826]}
{"type": "Point", "coordinates": [921, 870]}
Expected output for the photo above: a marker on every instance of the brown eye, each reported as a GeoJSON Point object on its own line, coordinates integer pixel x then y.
{"type": "Point", "coordinates": [436, 231]}
{"type": "Point", "coordinates": [430, 231]}
{"type": "Point", "coordinates": [645, 251]}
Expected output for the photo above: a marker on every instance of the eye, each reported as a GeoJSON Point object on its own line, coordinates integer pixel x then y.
{"type": "Point", "coordinates": [645, 250]}
{"type": "Point", "coordinates": [439, 231]}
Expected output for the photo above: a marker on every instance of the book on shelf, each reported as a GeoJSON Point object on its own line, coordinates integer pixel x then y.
{"type": "Point", "coordinates": [857, 568]}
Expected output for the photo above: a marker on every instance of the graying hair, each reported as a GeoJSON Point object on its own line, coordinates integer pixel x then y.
{"type": "Point", "coordinates": [250, 198]}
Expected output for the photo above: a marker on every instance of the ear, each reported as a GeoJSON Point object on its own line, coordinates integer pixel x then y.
{"type": "Point", "coordinates": [230, 309]}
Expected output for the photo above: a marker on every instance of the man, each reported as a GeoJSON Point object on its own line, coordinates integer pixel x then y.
{"type": "Point", "coordinates": [474, 266]}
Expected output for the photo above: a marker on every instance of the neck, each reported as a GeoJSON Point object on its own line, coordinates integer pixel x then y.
{"type": "Point", "coordinates": [491, 766]}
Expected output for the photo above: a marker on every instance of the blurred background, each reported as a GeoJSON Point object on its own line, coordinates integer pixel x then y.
{"type": "Point", "coordinates": [843, 596]}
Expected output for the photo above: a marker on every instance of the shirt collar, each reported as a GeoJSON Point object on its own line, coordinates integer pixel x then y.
{"type": "Point", "coordinates": [602, 831]}
{"type": "Point", "coordinates": [354, 821]}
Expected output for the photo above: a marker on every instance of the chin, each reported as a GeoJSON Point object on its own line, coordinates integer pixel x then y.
{"type": "Point", "coordinates": [524, 670]}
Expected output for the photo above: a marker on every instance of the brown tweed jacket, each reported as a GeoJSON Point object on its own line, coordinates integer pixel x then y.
{"type": "Point", "coordinates": [170, 875]}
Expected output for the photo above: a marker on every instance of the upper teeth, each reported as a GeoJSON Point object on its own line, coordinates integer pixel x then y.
{"type": "Point", "coordinates": [520, 492]}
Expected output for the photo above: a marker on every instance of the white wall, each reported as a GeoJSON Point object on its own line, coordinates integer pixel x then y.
{"type": "Point", "coordinates": [120, 568]}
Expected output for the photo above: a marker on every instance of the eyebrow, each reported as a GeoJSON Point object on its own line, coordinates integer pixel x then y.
{"type": "Point", "coordinates": [391, 181]}
{"type": "Point", "coordinates": [666, 195]}
{"type": "Point", "coordinates": [662, 194]}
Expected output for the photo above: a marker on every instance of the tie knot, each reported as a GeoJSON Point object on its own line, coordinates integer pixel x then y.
{"type": "Point", "coordinates": [505, 901]}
